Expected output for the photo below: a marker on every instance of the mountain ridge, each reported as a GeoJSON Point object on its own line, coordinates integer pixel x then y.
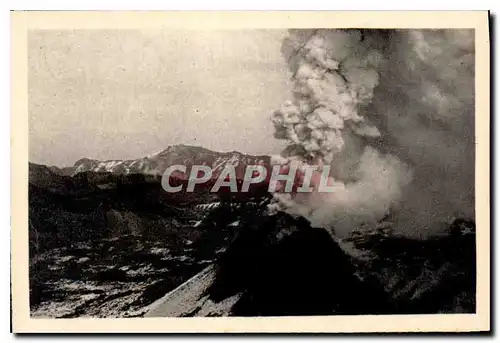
{"type": "Point", "coordinates": [156, 163]}
{"type": "Point", "coordinates": [111, 243]}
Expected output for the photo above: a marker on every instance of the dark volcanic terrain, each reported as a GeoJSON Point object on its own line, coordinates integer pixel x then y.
{"type": "Point", "coordinates": [107, 241]}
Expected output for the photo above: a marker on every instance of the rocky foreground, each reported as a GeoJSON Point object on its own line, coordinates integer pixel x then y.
{"type": "Point", "coordinates": [274, 265]}
{"type": "Point", "coordinates": [109, 277]}
{"type": "Point", "coordinates": [299, 270]}
{"type": "Point", "coordinates": [112, 245]}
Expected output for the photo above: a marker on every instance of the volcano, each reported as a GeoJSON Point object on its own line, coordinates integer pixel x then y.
{"type": "Point", "coordinates": [278, 265]}
{"type": "Point", "coordinates": [110, 244]}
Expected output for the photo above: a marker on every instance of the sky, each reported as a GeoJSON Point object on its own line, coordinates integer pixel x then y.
{"type": "Point", "coordinates": [124, 94]}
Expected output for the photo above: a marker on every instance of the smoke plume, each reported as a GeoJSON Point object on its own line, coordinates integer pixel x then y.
{"type": "Point", "coordinates": [392, 113]}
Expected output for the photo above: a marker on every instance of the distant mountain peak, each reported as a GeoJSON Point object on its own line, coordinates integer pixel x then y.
{"type": "Point", "coordinates": [157, 162]}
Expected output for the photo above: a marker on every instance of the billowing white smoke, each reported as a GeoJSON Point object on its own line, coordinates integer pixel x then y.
{"type": "Point", "coordinates": [388, 112]}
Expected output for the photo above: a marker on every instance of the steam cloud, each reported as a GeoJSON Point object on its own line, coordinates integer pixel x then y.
{"type": "Point", "coordinates": [392, 113]}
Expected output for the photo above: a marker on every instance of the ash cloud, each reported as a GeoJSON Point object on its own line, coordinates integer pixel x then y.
{"type": "Point", "coordinates": [392, 113]}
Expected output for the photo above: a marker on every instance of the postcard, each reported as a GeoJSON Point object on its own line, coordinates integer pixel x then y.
{"type": "Point", "coordinates": [250, 172]}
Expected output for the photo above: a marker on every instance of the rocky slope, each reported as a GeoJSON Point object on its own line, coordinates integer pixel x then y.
{"type": "Point", "coordinates": [278, 265]}
{"type": "Point", "coordinates": [435, 275]}
{"type": "Point", "coordinates": [113, 243]}
{"type": "Point", "coordinates": [104, 244]}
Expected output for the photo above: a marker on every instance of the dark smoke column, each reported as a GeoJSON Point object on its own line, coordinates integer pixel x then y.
{"type": "Point", "coordinates": [335, 73]}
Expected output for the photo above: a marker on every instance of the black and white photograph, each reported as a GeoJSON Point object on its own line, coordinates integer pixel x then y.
{"type": "Point", "coordinates": [178, 172]}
